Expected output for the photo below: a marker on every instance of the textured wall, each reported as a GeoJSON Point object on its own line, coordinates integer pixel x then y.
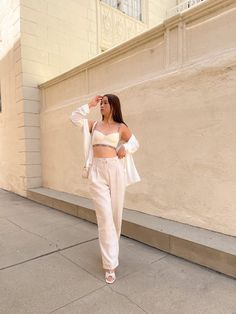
{"type": "Point", "coordinates": [116, 27]}
{"type": "Point", "coordinates": [56, 36]}
{"type": "Point", "coordinates": [39, 40]}
{"type": "Point", "coordinates": [11, 159]}
{"type": "Point", "coordinates": [177, 93]}
{"type": "Point", "coordinates": [157, 10]}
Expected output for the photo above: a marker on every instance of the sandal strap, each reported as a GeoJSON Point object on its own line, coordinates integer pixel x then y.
{"type": "Point", "coordinates": [110, 274]}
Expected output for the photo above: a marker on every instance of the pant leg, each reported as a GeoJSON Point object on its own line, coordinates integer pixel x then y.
{"type": "Point", "coordinates": [101, 195]}
{"type": "Point", "coordinates": [117, 188]}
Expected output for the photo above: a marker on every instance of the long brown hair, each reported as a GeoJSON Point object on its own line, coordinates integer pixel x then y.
{"type": "Point", "coordinates": [114, 102]}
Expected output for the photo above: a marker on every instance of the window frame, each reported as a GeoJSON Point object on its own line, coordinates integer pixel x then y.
{"type": "Point", "coordinates": [128, 7]}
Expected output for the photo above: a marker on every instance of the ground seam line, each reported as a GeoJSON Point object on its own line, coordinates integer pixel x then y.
{"type": "Point", "coordinates": [46, 254]}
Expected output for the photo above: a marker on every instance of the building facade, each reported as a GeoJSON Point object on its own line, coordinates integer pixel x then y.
{"type": "Point", "coordinates": [40, 40]}
{"type": "Point", "coordinates": [177, 79]}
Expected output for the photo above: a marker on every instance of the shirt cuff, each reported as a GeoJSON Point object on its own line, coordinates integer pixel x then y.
{"type": "Point", "coordinates": [85, 108]}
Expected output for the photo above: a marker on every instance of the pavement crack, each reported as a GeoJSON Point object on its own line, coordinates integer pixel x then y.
{"type": "Point", "coordinates": [34, 233]}
{"type": "Point", "coordinates": [91, 274]}
{"type": "Point", "coordinates": [81, 297]}
{"type": "Point", "coordinates": [126, 297]}
{"type": "Point", "coordinates": [76, 244]}
{"type": "Point", "coordinates": [57, 250]}
{"type": "Point", "coordinates": [45, 238]}
{"type": "Point", "coordinates": [29, 260]}
{"type": "Point", "coordinates": [159, 259]}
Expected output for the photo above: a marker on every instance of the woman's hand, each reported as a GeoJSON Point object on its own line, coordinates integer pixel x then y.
{"type": "Point", "coordinates": [121, 152]}
{"type": "Point", "coordinates": [94, 101]}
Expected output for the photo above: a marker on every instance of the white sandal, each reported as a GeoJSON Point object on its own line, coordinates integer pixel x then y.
{"type": "Point", "coordinates": [110, 274]}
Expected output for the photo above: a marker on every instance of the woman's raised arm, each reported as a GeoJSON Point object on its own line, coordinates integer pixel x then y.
{"type": "Point", "coordinates": [80, 113]}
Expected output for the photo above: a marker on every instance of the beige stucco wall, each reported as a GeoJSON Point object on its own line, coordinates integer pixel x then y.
{"type": "Point", "coordinates": [115, 27]}
{"type": "Point", "coordinates": [183, 71]}
{"type": "Point", "coordinates": [157, 11]}
{"type": "Point", "coordinates": [11, 158]}
{"type": "Point", "coordinates": [57, 35]}
{"type": "Point", "coordinates": [39, 40]}
{"type": "Point", "coordinates": [177, 88]}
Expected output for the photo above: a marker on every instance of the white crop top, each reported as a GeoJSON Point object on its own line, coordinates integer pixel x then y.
{"type": "Point", "coordinates": [101, 139]}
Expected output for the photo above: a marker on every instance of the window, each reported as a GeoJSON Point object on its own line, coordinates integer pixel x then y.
{"type": "Point", "coordinates": [132, 8]}
{"type": "Point", "coordinates": [193, 2]}
{"type": "Point", "coordinates": [113, 3]}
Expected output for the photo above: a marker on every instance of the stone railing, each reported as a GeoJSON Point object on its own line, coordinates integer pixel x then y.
{"type": "Point", "coordinates": [116, 27]}
{"type": "Point", "coordinates": [182, 7]}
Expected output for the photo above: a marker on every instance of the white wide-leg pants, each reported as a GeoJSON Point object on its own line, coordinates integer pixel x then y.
{"type": "Point", "coordinates": [107, 188]}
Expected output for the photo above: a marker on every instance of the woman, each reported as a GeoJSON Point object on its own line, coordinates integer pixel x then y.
{"type": "Point", "coordinates": [108, 145]}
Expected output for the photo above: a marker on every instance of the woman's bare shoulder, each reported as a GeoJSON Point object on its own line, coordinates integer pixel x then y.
{"type": "Point", "coordinates": [125, 132]}
{"type": "Point", "coordinates": [123, 127]}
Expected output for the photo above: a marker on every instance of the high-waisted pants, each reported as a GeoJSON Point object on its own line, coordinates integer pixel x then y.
{"type": "Point", "coordinates": [107, 188]}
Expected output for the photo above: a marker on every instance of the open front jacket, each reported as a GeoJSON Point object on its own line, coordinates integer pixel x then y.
{"type": "Point", "coordinates": [131, 174]}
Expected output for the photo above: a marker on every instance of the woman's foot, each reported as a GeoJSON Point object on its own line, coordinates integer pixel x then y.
{"type": "Point", "coordinates": [110, 276]}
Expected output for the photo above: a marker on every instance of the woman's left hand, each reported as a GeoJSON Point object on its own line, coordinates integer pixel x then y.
{"type": "Point", "coordinates": [121, 152]}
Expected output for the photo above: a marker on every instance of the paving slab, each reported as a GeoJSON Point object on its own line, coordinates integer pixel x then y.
{"type": "Point", "coordinates": [18, 206]}
{"type": "Point", "coordinates": [133, 257]}
{"type": "Point", "coordinates": [65, 237]}
{"type": "Point", "coordinates": [39, 230]}
{"type": "Point", "coordinates": [101, 301]}
{"type": "Point", "coordinates": [51, 263]}
{"type": "Point", "coordinates": [204, 247]}
{"type": "Point", "coordinates": [19, 246]}
{"type": "Point", "coordinates": [43, 285]}
{"type": "Point", "coordinates": [176, 286]}
{"type": "Point", "coordinates": [43, 222]}
{"type": "Point", "coordinates": [87, 256]}
{"type": "Point", "coordinates": [6, 226]}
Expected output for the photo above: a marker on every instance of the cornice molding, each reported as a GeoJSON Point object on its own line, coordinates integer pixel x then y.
{"type": "Point", "coordinates": [132, 43]}
{"type": "Point", "coordinates": [201, 10]}
{"type": "Point", "coordinates": [205, 8]}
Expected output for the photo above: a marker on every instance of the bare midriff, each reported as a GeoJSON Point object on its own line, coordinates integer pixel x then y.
{"type": "Point", "coordinates": [104, 152]}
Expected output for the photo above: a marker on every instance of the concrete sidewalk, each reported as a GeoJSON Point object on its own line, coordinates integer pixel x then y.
{"type": "Point", "coordinates": [50, 263]}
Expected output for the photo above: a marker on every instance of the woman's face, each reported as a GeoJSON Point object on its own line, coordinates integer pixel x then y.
{"type": "Point", "coordinates": [105, 107]}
